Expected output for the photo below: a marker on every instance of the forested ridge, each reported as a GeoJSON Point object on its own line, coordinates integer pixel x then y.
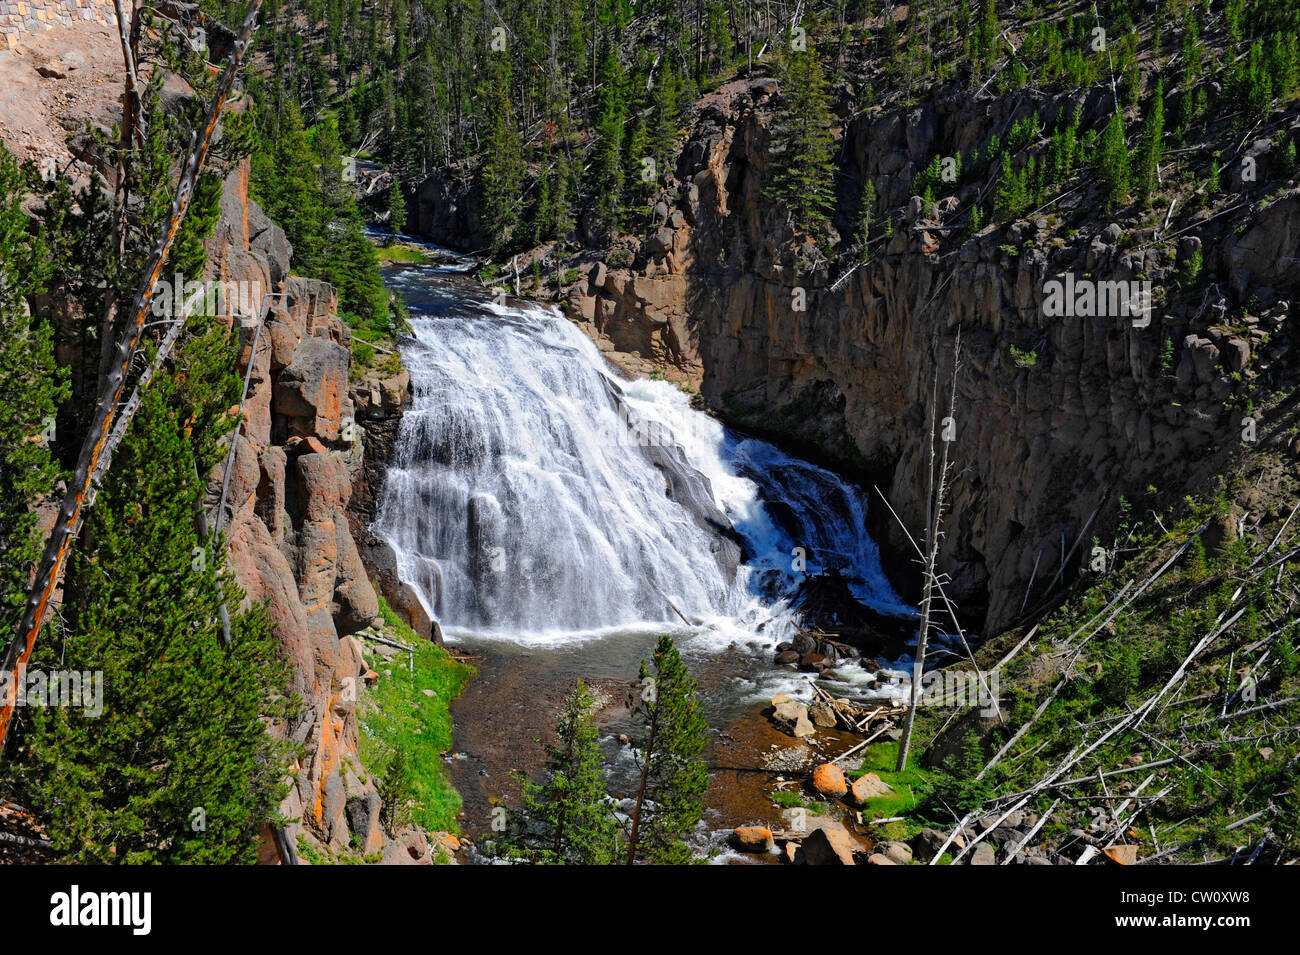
{"type": "Point", "coordinates": [568, 115]}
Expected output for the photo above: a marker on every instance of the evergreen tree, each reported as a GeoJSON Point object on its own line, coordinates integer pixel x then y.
{"type": "Point", "coordinates": [286, 183]}
{"type": "Point", "coordinates": [353, 268]}
{"type": "Point", "coordinates": [179, 767]}
{"type": "Point", "coordinates": [396, 208]}
{"type": "Point", "coordinates": [31, 387]}
{"type": "Point", "coordinates": [664, 113]}
{"type": "Point", "coordinates": [866, 216]}
{"type": "Point", "coordinates": [568, 816]}
{"type": "Point", "coordinates": [801, 177]}
{"type": "Point", "coordinates": [641, 173]}
{"type": "Point", "coordinates": [501, 169]}
{"type": "Point", "coordinates": [1152, 148]}
{"type": "Point", "coordinates": [1113, 162]}
{"type": "Point", "coordinates": [334, 192]}
{"type": "Point", "coordinates": [299, 181]}
{"type": "Point", "coordinates": [1011, 189]}
{"type": "Point", "coordinates": [673, 777]}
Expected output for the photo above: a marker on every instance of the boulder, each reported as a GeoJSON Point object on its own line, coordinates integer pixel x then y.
{"type": "Point", "coordinates": [828, 779]}
{"type": "Point", "coordinates": [927, 843]}
{"type": "Point", "coordinates": [822, 715]}
{"type": "Point", "coordinates": [983, 854]}
{"type": "Point", "coordinates": [410, 847]}
{"type": "Point", "coordinates": [900, 853]}
{"type": "Point", "coordinates": [868, 786]}
{"type": "Point", "coordinates": [792, 715]}
{"type": "Point", "coordinates": [829, 846]}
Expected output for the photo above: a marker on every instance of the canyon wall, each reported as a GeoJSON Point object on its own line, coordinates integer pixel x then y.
{"type": "Point", "coordinates": [310, 453]}
{"type": "Point", "coordinates": [1056, 417]}
{"type": "Point", "coordinates": [302, 455]}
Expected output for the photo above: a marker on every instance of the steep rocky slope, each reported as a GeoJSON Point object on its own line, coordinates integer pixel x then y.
{"type": "Point", "coordinates": [1058, 418]}
{"type": "Point", "coordinates": [305, 468]}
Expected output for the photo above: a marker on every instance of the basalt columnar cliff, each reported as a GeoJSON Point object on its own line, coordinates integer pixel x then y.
{"type": "Point", "coordinates": [1058, 416]}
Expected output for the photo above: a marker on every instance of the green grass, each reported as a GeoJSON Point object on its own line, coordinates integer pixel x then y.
{"type": "Point", "coordinates": [397, 715]}
{"type": "Point", "coordinates": [789, 799]}
{"type": "Point", "coordinates": [396, 252]}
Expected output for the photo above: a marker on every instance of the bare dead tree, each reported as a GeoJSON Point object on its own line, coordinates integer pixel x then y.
{"type": "Point", "coordinates": [933, 522]}
{"type": "Point", "coordinates": [98, 441]}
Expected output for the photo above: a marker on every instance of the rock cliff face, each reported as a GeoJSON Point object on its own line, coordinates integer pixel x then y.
{"type": "Point", "coordinates": [303, 456]}
{"type": "Point", "coordinates": [1083, 411]}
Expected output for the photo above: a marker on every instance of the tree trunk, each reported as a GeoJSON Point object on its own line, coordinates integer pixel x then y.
{"type": "Point", "coordinates": [934, 520]}
{"type": "Point", "coordinates": [640, 793]}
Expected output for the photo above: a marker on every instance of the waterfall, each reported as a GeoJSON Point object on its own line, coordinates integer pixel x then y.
{"type": "Point", "coordinates": [534, 494]}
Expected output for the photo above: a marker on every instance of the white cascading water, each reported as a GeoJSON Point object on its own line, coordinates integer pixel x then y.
{"type": "Point", "coordinates": [534, 495]}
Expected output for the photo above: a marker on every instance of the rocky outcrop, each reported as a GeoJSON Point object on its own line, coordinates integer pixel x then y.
{"type": "Point", "coordinates": [447, 211]}
{"type": "Point", "coordinates": [300, 458]}
{"type": "Point", "coordinates": [1056, 418]}
{"type": "Point", "coordinates": [379, 397]}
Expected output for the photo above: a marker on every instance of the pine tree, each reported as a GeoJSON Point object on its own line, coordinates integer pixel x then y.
{"type": "Point", "coordinates": [1011, 189]}
{"type": "Point", "coordinates": [31, 387]}
{"type": "Point", "coordinates": [606, 175]}
{"type": "Point", "coordinates": [396, 208]}
{"type": "Point", "coordinates": [501, 169]}
{"type": "Point", "coordinates": [352, 266]}
{"type": "Point", "coordinates": [641, 173]}
{"type": "Point", "coordinates": [328, 148]}
{"type": "Point", "coordinates": [1113, 162]}
{"type": "Point", "coordinates": [669, 799]}
{"type": "Point", "coordinates": [178, 767]}
{"type": "Point", "coordinates": [286, 183]}
{"type": "Point", "coordinates": [1152, 148]}
{"type": "Point", "coordinates": [866, 216]}
{"type": "Point", "coordinates": [985, 38]}
{"type": "Point", "coordinates": [568, 816]}
{"type": "Point", "coordinates": [801, 179]}
{"type": "Point", "coordinates": [661, 136]}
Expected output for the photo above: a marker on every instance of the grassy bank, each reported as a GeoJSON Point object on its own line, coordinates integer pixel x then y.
{"type": "Point", "coordinates": [406, 726]}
